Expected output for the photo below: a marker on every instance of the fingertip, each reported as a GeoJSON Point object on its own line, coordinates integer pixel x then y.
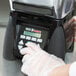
{"type": "Point", "coordinates": [29, 43]}
{"type": "Point", "coordinates": [22, 51]}
{"type": "Point", "coordinates": [33, 46]}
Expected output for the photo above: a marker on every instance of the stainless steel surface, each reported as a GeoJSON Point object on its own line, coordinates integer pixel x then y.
{"type": "Point", "coordinates": [8, 68]}
{"type": "Point", "coordinates": [11, 68]}
{"type": "Point", "coordinates": [48, 3]}
{"type": "Point", "coordinates": [67, 6]}
{"type": "Point", "coordinates": [61, 7]}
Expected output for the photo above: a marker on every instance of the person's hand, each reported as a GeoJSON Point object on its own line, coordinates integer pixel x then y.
{"type": "Point", "coordinates": [70, 27]}
{"type": "Point", "coordinates": [37, 62]}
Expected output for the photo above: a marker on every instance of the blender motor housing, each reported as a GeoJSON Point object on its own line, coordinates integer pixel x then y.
{"type": "Point", "coordinates": [39, 24]}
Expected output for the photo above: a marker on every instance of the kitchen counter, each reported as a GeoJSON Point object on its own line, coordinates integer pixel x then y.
{"type": "Point", "coordinates": [8, 68]}
{"type": "Point", "coordinates": [11, 68]}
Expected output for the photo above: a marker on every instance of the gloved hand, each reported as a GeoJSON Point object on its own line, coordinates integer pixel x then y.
{"type": "Point", "coordinates": [37, 62]}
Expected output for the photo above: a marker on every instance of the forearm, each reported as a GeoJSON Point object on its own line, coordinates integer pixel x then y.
{"type": "Point", "coordinates": [61, 71]}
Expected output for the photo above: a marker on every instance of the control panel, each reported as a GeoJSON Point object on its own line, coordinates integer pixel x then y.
{"type": "Point", "coordinates": [30, 34]}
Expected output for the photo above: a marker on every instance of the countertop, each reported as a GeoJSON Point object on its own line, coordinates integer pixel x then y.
{"type": "Point", "coordinates": [8, 68]}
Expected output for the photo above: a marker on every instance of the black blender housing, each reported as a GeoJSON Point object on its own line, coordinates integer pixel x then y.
{"type": "Point", "coordinates": [49, 20]}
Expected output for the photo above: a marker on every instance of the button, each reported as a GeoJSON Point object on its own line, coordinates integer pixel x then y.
{"type": "Point", "coordinates": [28, 29]}
{"type": "Point", "coordinates": [36, 31]}
{"type": "Point", "coordinates": [33, 39]}
{"type": "Point", "coordinates": [20, 47]}
{"type": "Point", "coordinates": [21, 42]}
{"type": "Point", "coordinates": [22, 36]}
{"type": "Point", "coordinates": [28, 38]}
{"type": "Point", "coordinates": [39, 40]}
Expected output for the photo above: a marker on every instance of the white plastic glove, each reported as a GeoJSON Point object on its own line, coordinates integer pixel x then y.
{"type": "Point", "coordinates": [37, 62]}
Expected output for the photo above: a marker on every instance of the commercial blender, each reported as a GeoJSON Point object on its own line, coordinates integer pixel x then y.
{"type": "Point", "coordinates": [41, 22]}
